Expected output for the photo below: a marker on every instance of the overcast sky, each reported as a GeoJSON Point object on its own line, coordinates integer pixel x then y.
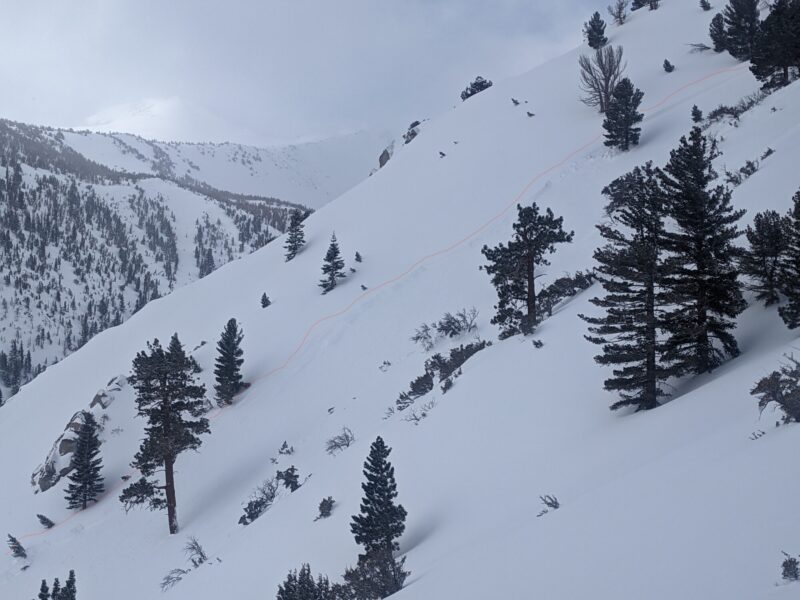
{"type": "Point", "coordinates": [264, 71]}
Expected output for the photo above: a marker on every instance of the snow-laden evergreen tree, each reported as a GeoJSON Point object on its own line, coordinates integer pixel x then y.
{"type": "Point", "coordinates": [166, 395]}
{"type": "Point", "coordinates": [631, 265]}
{"type": "Point", "coordinates": [595, 32]}
{"type": "Point", "coordinates": [332, 267]}
{"type": "Point", "coordinates": [265, 301]}
{"type": "Point", "coordinates": [69, 592]}
{"type": "Point", "coordinates": [302, 586]}
{"type": "Point", "coordinates": [741, 26]}
{"type": "Point", "coordinates": [56, 592]}
{"type": "Point", "coordinates": [17, 550]}
{"type": "Point", "coordinates": [295, 237]}
{"type": "Point", "coordinates": [697, 114]}
{"type": "Point", "coordinates": [380, 521]}
{"type": "Point", "coordinates": [623, 116]}
{"type": "Point", "coordinates": [86, 483]}
{"type": "Point", "coordinates": [763, 259]}
{"type": "Point", "coordinates": [705, 5]}
{"type": "Point", "coordinates": [44, 591]}
{"type": "Point", "coordinates": [637, 4]}
{"type": "Point", "coordinates": [513, 267]}
{"type": "Point", "coordinates": [790, 267]}
{"type": "Point", "coordinates": [228, 364]}
{"type": "Point", "coordinates": [716, 31]}
{"type": "Point", "coordinates": [702, 280]}
{"type": "Point", "coordinates": [776, 51]}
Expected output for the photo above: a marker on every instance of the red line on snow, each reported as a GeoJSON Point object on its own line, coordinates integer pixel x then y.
{"type": "Point", "coordinates": [414, 266]}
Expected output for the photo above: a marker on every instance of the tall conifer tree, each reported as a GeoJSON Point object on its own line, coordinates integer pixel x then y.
{"type": "Point", "coordinates": [86, 483]}
{"type": "Point", "coordinates": [762, 260]}
{"type": "Point", "coordinates": [166, 395]}
{"type": "Point", "coordinates": [631, 266]}
{"type": "Point", "coordinates": [380, 521]}
{"type": "Point", "coordinates": [228, 366]}
{"type": "Point", "coordinates": [594, 31]}
{"type": "Point", "coordinates": [702, 276]}
{"type": "Point", "coordinates": [741, 27]}
{"type": "Point", "coordinates": [332, 267]}
{"type": "Point", "coordinates": [623, 116]}
{"type": "Point", "coordinates": [776, 51]}
{"type": "Point", "coordinates": [513, 267]}
{"type": "Point", "coordinates": [295, 238]}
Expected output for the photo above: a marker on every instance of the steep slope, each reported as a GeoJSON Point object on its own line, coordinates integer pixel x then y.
{"type": "Point", "coordinates": [677, 502]}
{"type": "Point", "coordinates": [143, 218]}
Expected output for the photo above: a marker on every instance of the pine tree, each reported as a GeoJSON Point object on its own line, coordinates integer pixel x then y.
{"type": "Point", "coordinates": [70, 591]}
{"type": "Point", "coordinates": [166, 394]}
{"type": "Point", "coordinates": [697, 114]}
{"type": "Point", "coordinates": [631, 265]}
{"type": "Point", "coordinates": [623, 115]}
{"type": "Point", "coordinates": [762, 260]}
{"type": "Point", "coordinates": [228, 365]}
{"type": "Point", "coordinates": [86, 483]}
{"type": "Point", "coordinates": [380, 521]}
{"type": "Point", "coordinates": [17, 550]}
{"type": "Point", "coordinates": [637, 4]}
{"type": "Point", "coordinates": [265, 301]}
{"type": "Point", "coordinates": [594, 32]}
{"type": "Point", "coordinates": [295, 238]}
{"type": "Point", "coordinates": [701, 282]}
{"type": "Point", "coordinates": [705, 5]}
{"type": "Point", "coordinates": [55, 594]}
{"type": "Point", "coordinates": [741, 26]}
{"type": "Point", "coordinates": [776, 51]}
{"type": "Point", "coordinates": [668, 66]}
{"type": "Point", "coordinates": [513, 267]}
{"type": "Point", "coordinates": [716, 32]}
{"type": "Point", "coordinates": [333, 267]}
{"type": "Point", "coordinates": [790, 267]}
{"type": "Point", "coordinates": [44, 591]}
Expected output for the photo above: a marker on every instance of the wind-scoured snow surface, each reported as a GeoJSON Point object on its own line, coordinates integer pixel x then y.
{"type": "Point", "coordinates": [311, 174]}
{"type": "Point", "coordinates": [673, 503]}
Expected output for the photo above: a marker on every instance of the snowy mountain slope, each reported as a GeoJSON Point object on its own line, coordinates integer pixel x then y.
{"type": "Point", "coordinates": [310, 174]}
{"type": "Point", "coordinates": [677, 502]}
{"type": "Point", "coordinates": [174, 211]}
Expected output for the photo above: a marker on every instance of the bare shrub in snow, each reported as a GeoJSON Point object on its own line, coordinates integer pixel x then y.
{"type": "Point", "coordinates": [619, 11]}
{"type": "Point", "coordinates": [172, 578]}
{"type": "Point", "coordinates": [449, 326]}
{"type": "Point", "coordinates": [599, 75]}
{"type": "Point", "coordinates": [340, 441]}
{"type": "Point", "coordinates": [550, 503]}
{"type": "Point", "coordinates": [260, 501]}
{"type": "Point", "coordinates": [194, 552]}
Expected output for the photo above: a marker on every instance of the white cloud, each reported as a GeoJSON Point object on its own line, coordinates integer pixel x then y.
{"type": "Point", "coordinates": [265, 70]}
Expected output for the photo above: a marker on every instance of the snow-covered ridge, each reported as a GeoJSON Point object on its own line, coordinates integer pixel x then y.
{"type": "Point", "coordinates": [677, 502]}
{"type": "Point", "coordinates": [310, 174]}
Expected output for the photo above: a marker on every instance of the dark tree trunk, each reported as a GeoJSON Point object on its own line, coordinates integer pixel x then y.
{"type": "Point", "coordinates": [169, 489]}
{"type": "Point", "coordinates": [650, 388]}
{"type": "Point", "coordinates": [531, 293]}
